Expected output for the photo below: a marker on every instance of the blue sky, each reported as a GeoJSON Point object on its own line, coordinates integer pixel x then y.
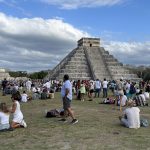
{"type": "Point", "coordinates": [49, 29]}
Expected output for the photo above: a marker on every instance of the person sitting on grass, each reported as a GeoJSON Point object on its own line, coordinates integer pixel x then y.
{"type": "Point", "coordinates": [4, 117]}
{"type": "Point", "coordinates": [131, 116]}
{"type": "Point", "coordinates": [108, 101]}
{"type": "Point", "coordinates": [24, 97]}
{"type": "Point", "coordinates": [18, 120]}
{"type": "Point", "coordinates": [123, 101]}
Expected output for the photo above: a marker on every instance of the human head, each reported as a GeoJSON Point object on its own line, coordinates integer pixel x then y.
{"type": "Point", "coordinates": [16, 96]}
{"type": "Point", "coordinates": [3, 107]}
{"type": "Point", "coordinates": [141, 91]}
{"type": "Point", "coordinates": [130, 103]}
{"type": "Point", "coordinates": [66, 77]}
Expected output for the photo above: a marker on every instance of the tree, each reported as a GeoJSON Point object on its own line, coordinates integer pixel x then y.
{"type": "Point", "coordinates": [18, 74]}
{"type": "Point", "coordinates": [38, 75]}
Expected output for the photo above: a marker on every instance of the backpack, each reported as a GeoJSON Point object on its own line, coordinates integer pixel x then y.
{"type": "Point", "coordinates": [144, 122]}
{"type": "Point", "coordinates": [52, 113]}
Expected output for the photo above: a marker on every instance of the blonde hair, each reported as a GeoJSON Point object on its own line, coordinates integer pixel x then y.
{"type": "Point", "coordinates": [130, 103]}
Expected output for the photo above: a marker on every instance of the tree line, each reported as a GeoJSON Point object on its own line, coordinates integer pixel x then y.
{"type": "Point", "coordinates": [34, 75]}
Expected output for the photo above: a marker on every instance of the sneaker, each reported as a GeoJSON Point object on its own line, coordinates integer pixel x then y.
{"type": "Point", "coordinates": [23, 123]}
{"type": "Point", "coordinates": [74, 121]}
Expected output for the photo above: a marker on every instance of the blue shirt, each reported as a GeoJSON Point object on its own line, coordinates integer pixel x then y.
{"type": "Point", "coordinates": [67, 85]}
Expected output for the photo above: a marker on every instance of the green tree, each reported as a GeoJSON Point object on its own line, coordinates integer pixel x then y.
{"type": "Point", "coordinates": [18, 74]}
{"type": "Point", "coordinates": [38, 75]}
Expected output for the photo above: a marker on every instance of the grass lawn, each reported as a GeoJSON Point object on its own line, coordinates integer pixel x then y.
{"type": "Point", "coordinates": [98, 128]}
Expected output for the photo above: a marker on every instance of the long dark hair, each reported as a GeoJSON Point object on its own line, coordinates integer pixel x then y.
{"type": "Point", "coordinates": [16, 96]}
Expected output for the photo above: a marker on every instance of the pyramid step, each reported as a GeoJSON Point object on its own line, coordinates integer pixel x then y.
{"type": "Point", "coordinates": [83, 66]}
{"type": "Point", "coordinates": [74, 70]}
{"type": "Point", "coordinates": [88, 61]}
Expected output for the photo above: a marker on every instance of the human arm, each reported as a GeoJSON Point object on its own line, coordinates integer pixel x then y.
{"type": "Point", "coordinates": [123, 115]}
{"type": "Point", "coordinates": [66, 93]}
{"type": "Point", "coordinates": [13, 109]}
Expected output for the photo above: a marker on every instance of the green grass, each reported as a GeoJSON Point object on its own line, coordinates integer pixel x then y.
{"type": "Point", "coordinates": [98, 128]}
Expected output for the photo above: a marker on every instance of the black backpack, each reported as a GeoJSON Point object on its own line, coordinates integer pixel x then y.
{"type": "Point", "coordinates": [52, 113]}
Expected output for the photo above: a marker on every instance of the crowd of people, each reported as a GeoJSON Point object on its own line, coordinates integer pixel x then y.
{"type": "Point", "coordinates": [124, 93]}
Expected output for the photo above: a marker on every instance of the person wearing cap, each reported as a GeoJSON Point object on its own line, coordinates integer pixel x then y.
{"type": "Point", "coordinates": [131, 116]}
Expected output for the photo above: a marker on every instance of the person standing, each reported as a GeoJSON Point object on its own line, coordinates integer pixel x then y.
{"type": "Point", "coordinates": [66, 94]}
{"type": "Point", "coordinates": [24, 97]}
{"type": "Point", "coordinates": [105, 83]}
{"type": "Point", "coordinates": [4, 85]}
{"type": "Point", "coordinates": [28, 85]}
{"type": "Point", "coordinates": [82, 91]}
{"type": "Point", "coordinates": [97, 87]}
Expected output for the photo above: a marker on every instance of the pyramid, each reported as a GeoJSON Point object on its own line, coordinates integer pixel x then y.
{"type": "Point", "coordinates": [90, 61]}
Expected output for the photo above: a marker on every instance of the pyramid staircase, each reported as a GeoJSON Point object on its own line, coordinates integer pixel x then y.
{"type": "Point", "coordinates": [90, 61]}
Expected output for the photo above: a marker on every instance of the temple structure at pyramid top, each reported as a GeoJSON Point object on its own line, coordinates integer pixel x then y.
{"type": "Point", "coordinates": [90, 61]}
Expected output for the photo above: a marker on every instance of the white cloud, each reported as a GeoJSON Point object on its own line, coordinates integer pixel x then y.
{"type": "Point", "coordinates": [136, 53]}
{"type": "Point", "coordinates": [74, 4]}
{"type": "Point", "coordinates": [38, 44]}
{"type": "Point", "coordinates": [35, 44]}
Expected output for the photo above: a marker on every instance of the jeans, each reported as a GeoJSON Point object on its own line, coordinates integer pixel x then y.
{"type": "Point", "coordinates": [124, 122]}
{"type": "Point", "coordinates": [105, 92]}
{"type": "Point", "coordinates": [97, 91]}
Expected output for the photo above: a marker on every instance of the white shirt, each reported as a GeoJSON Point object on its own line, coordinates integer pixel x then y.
{"type": "Point", "coordinates": [67, 85]}
{"type": "Point", "coordinates": [4, 118]}
{"type": "Point", "coordinates": [34, 89]}
{"type": "Point", "coordinates": [146, 94]}
{"type": "Point", "coordinates": [123, 101]}
{"type": "Point", "coordinates": [24, 97]}
{"type": "Point", "coordinates": [133, 117]}
{"type": "Point", "coordinates": [91, 86]}
{"type": "Point", "coordinates": [47, 84]}
{"type": "Point", "coordinates": [127, 87]}
{"type": "Point", "coordinates": [105, 84]}
{"type": "Point", "coordinates": [143, 97]}
{"type": "Point", "coordinates": [16, 87]}
{"type": "Point", "coordinates": [28, 83]}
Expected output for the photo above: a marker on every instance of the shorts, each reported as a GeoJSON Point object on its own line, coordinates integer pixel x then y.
{"type": "Point", "coordinates": [66, 103]}
{"type": "Point", "coordinates": [4, 126]}
{"type": "Point", "coordinates": [119, 93]}
{"type": "Point", "coordinates": [91, 91]}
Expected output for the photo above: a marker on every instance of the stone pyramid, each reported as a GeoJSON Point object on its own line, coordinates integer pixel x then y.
{"type": "Point", "coordinates": [90, 61]}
